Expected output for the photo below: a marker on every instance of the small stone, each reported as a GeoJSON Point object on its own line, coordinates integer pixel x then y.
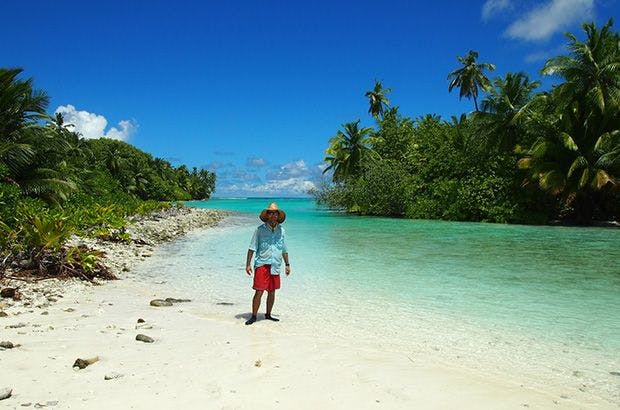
{"type": "Point", "coordinates": [225, 303]}
{"type": "Point", "coordinates": [17, 326]}
{"type": "Point", "coordinates": [69, 310]}
{"type": "Point", "coordinates": [5, 393]}
{"type": "Point", "coordinates": [7, 345]}
{"type": "Point", "coordinates": [83, 363]}
{"type": "Point", "coordinates": [50, 299]}
{"type": "Point", "coordinates": [8, 292]}
{"type": "Point", "coordinates": [258, 363]}
{"type": "Point", "coordinates": [615, 373]}
{"type": "Point", "coordinates": [141, 320]}
{"type": "Point", "coordinates": [26, 404]}
{"type": "Point", "coordinates": [144, 338]}
{"type": "Point", "coordinates": [111, 376]}
{"type": "Point", "coordinates": [3, 314]}
{"type": "Point", "coordinates": [160, 303]}
{"type": "Point", "coordinates": [45, 313]}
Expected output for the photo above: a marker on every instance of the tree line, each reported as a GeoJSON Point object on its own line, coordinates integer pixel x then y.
{"type": "Point", "coordinates": [53, 182]}
{"type": "Point", "coordinates": [522, 155]}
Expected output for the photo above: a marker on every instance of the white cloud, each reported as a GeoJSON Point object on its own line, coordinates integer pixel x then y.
{"type": "Point", "coordinates": [491, 8]}
{"type": "Point", "coordinates": [549, 18]}
{"type": "Point", "coordinates": [294, 169]}
{"type": "Point", "coordinates": [291, 179]}
{"type": "Point", "coordinates": [537, 57]}
{"type": "Point", "coordinates": [285, 187]}
{"type": "Point", "coordinates": [256, 162]}
{"type": "Point", "coordinates": [91, 125]}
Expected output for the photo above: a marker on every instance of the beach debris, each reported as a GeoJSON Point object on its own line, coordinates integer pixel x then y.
{"type": "Point", "coordinates": [26, 404]}
{"type": "Point", "coordinates": [7, 345]}
{"type": "Point", "coordinates": [46, 404]}
{"type": "Point", "coordinates": [173, 300]}
{"type": "Point", "coordinates": [16, 326]}
{"type": "Point", "coordinates": [140, 320]}
{"type": "Point", "coordinates": [144, 338]}
{"type": "Point", "coordinates": [5, 393]}
{"type": "Point", "coordinates": [160, 303]}
{"type": "Point", "coordinates": [615, 373]}
{"type": "Point", "coordinates": [225, 303]}
{"type": "Point", "coordinates": [258, 363]}
{"type": "Point", "coordinates": [10, 293]}
{"type": "Point", "coordinates": [84, 363]}
{"type": "Point", "coordinates": [112, 375]}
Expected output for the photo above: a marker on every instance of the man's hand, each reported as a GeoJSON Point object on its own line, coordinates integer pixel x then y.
{"type": "Point", "coordinates": [248, 269]}
{"type": "Point", "coordinates": [287, 270]}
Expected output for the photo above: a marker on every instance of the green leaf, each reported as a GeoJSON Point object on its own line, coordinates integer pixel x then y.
{"type": "Point", "coordinates": [578, 163]}
{"type": "Point", "coordinates": [568, 142]}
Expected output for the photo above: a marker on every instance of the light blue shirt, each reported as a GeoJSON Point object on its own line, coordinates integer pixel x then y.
{"type": "Point", "coordinates": [269, 246]}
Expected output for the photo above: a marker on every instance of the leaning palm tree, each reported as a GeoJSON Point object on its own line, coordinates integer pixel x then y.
{"type": "Point", "coordinates": [347, 151]}
{"type": "Point", "coordinates": [377, 99]}
{"type": "Point", "coordinates": [470, 77]}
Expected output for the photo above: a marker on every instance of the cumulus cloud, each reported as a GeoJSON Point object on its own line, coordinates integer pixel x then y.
{"type": "Point", "coordinates": [256, 162]}
{"type": "Point", "coordinates": [294, 169]}
{"type": "Point", "coordinates": [491, 8]}
{"type": "Point", "coordinates": [91, 125]}
{"type": "Point", "coordinates": [538, 57]}
{"type": "Point", "coordinates": [547, 19]}
{"type": "Point", "coordinates": [291, 179]}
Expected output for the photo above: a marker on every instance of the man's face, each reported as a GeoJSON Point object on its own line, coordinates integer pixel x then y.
{"type": "Point", "coordinates": [272, 217]}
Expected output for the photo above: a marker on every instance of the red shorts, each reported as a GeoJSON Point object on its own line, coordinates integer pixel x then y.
{"type": "Point", "coordinates": [264, 280]}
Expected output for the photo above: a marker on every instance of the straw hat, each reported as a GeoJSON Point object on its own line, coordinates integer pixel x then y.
{"type": "Point", "coordinates": [272, 207]}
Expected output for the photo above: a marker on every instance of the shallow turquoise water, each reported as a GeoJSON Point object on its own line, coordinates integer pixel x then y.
{"type": "Point", "coordinates": [556, 280]}
{"type": "Point", "coordinates": [536, 300]}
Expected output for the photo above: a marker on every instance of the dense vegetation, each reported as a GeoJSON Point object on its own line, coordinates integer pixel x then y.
{"type": "Point", "coordinates": [54, 183]}
{"type": "Point", "coordinates": [521, 156]}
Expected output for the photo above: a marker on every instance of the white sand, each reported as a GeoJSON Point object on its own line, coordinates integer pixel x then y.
{"type": "Point", "coordinates": [199, 362]}
{"type": "Point", "coordinates": [202, 361]}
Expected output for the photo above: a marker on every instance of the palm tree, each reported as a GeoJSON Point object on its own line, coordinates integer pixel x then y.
{"type": "Point", "coordinates": [580, 161]}
{"type": "Point", "coordinates": [591, 74]}
{"type": "Point", "coordinates": [348, 150]}
{"type": "Point", "coordinates": [377, 99]}
{"type": "Point", "coordinates": [21, 108]}
{"type": "Point", "coordinates": [27, 148]}
{"type": "Point", "coordinates": [470, 77]}
{"type": "Point", "coordinates": [504, 107]}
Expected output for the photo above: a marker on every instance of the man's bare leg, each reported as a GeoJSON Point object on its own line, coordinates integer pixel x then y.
{"type": "Point", "coordinates": [255, 305]}
{"type": "Point", "coordinates": [271, 298]}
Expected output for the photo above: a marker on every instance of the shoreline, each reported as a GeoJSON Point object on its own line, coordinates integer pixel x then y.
{"type": "Point", "coordinates": [196, 359]}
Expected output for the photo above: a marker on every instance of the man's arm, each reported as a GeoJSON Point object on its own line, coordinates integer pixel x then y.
{"type": "Point", "coordinates": [287, 266]}
{"type": "Point", "coordinates": [248, 262]}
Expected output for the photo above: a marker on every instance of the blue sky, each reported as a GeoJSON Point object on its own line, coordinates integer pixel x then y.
{"type": "Point", "coordinates": [253, 90]}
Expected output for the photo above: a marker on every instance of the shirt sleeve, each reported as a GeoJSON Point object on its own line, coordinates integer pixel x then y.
{"type": "Point", "coordinates": [284, 248]}
{"type": "Point", "coordinates": [254, 241]}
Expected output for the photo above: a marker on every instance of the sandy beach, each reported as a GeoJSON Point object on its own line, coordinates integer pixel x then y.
{"type": "Point", "coordinates": [200, 361]}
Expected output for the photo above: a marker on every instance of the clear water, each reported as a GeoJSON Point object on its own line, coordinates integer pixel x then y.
{"type": "Point", "coordinates": [540, 303]}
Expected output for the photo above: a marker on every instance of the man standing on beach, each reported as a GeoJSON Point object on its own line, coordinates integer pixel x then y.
{"type": "Point", "coordinates": [270, 247]}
